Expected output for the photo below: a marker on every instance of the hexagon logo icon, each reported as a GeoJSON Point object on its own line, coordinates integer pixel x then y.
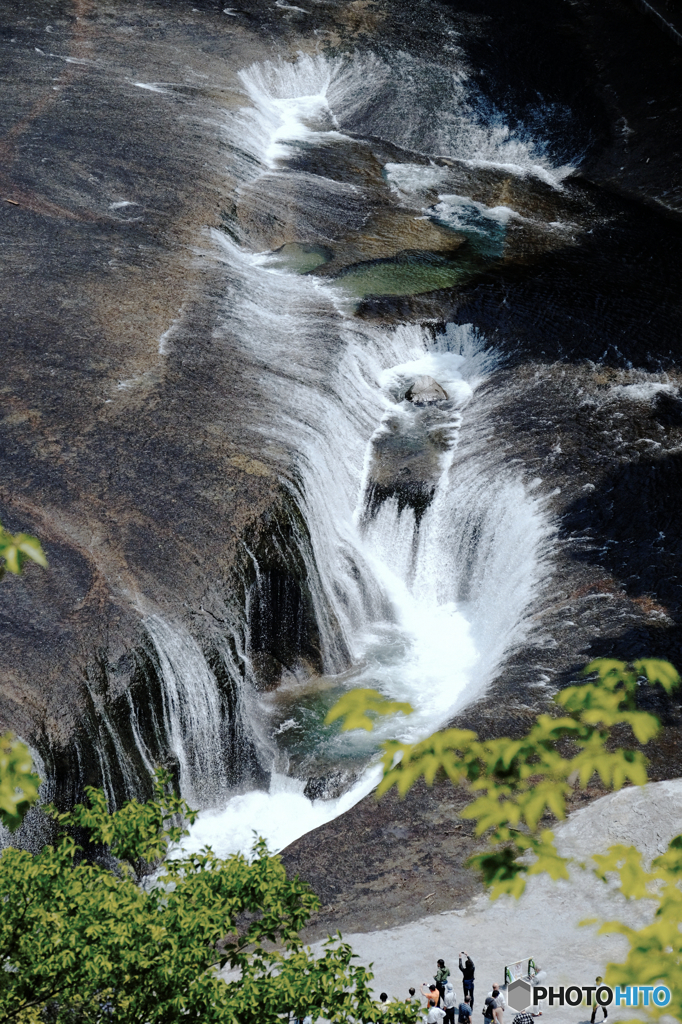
{"type": "Point", "coordinates": [519, 995]}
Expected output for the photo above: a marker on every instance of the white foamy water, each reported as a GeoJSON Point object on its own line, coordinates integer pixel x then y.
{"type": "Point", "coordinates": [192, 712]}
{"type": "Point", "coordinates": [423, 614]}
{"type": "Point", "coordinates": [419, 591]}
{"type": "Point", "coordinates": [280, 815]}
{"type": "Point", "coordinates": [366, 96]}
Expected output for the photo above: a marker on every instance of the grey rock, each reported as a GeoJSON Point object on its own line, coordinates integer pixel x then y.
{"type": "Point", "coordinates": [425, 390]}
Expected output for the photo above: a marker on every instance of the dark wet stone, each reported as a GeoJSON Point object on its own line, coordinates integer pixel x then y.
{"type": "Point", "coordinates": [425, 390]}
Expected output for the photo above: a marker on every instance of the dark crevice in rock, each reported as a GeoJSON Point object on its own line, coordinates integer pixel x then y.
{"type": "Point", "coordinates": [122, 726]}
{"type": "Point", "coordinates": [282, 627]}
{"type": "Point", "coordinates": [416, 496]}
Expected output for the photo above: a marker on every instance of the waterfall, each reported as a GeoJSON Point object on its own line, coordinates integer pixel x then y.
{"type": "Point", "coordinates": [208, 733]}
{"type": "Point", "coordinates": [425, 549]}
{"type": "Point", "coordinates": [192, 710]}
{"type": "Point", "coordinates": [423, 611]}
{"type": "Point", "coordinates": [416, 104]}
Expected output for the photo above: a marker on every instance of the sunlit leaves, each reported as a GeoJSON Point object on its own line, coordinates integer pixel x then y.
{"type": "Point", "coordinates": [78, 934]}
{"type": "Point", "coordinates": [453, 751]}
{"type": "Point", "coordinates": [356, 706]}
{"type": "Point", "coordinates": [514, 783]}
{"type": "Point", "coordinates": [627, 862]}
{"type": "Point", "coordinates": [658, 671]}
{"type": "Point", "coordinates": [18, 782]}
{"type": "Point", "coordinates": [16, 548]}
{"type": "Point", "coordinates": [655, 953]}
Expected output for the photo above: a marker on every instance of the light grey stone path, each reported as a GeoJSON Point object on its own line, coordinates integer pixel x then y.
{"type": "Point", "coordinates": [545, 922]}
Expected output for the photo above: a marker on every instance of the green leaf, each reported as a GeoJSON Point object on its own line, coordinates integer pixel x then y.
{"type": "Point", "coordinates": [604, 667]}
{"type": "Point", "coordinates": [356, 706]}
{"type": "Point", "coordinates": [19, 784]}
{"type": "Point", "coordinates": [658, 671]}
{"type": "Point", "coordinates": [15, 549]}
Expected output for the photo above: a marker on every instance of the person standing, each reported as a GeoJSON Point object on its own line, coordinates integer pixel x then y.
{"type": "Point", "coordinates": [501, 1004]}
{"type": "Point", "coordinates": [596, 1005]}
{"type": "Point", "coordinates": [466, 966]}
{"type": "Point", "coordinates": [435, 1015]}
{"type": "Point", "coordinates": [431, 995]}
{"type": "Point", "coordinates": [449, 1003]}
{"type": "Point", "coordinates": [489, 1009]}
{"type": "Point", "coordinates": [441, 976]}
{"type": "Point", "coordinates": [464, 1014]}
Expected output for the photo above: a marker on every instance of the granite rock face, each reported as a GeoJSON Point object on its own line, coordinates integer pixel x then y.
{"type": "Point", "coordinates": [122, 449]}
{"type": "Point", "coordinates": [131, 438]}
{"type": "Point", "coordinates": [426, 390]}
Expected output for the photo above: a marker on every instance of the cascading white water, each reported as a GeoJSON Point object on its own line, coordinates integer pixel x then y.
{"type": "Point", "coordinates": [318, 97]}
{"type": "Point", "coordinates": [420, 601]}
{"type": "Point", "coordinates": [192, 713]}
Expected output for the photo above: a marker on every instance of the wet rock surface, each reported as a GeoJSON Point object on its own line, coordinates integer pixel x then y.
{"type": "Point", "coordinates": [144, 475]}
{"type": "Point", "coordinates": [426, 390]}
{"type": "Point", "coordinates": [122, 449]}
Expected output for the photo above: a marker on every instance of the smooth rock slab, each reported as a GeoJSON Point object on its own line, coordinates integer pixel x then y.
{"type": "Point", "coordinates": [426, 390]}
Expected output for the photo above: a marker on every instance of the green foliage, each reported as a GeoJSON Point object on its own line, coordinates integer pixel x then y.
{"type": "Point", "coordinates": [356, 706]}
{"type": "Point", "coordinates": [88, 944]}
{"type": "Point", "coordinates": [16, 548]}
{"type": "Point", "coordinates": [655, 955]}
{"type": "Point", "coordinates": [138, 835]}
{"type": "Point", "coordinates": [18, 782]}
{"type": "Point", "coordinates": [516, 782]}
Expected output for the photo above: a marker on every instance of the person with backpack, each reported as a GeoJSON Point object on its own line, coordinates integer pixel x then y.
{"type": "Point", "coordinates": [464, 1014]}
{"type": "Point", "coordinates": [489, 1010]}
{"type": "Point", "coordinates": [501, 1004]}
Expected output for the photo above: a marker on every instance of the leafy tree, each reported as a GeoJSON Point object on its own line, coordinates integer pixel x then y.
{"type": "Point", "coordinates": [514, 783]}
{"type": "Point", "coordinates": [84, 940]}
{"type": "Point", "coordinates": [18, 782]}
{"type": "Point", "coordinates": [356, 706]}
{"type": "Point", "coordinates": [118, 930]}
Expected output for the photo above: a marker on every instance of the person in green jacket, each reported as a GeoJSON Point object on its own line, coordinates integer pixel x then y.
{"type": "Point", "coordinates": [440, 977]}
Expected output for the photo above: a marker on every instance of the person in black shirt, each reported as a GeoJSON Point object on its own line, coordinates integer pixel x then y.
{"type": "Point", "coordinates": [466, 966]}
{"type": "Point", "coordinates": [489, 1010]}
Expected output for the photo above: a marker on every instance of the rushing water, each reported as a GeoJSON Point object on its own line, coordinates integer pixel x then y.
{"type": "Point", "coordinates": [426, 549]}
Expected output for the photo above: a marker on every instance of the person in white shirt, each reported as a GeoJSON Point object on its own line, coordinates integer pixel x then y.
{"type": "Point", "coordinates": [435, 1015]}
{"type": "Point", "coordinates": [449, 1003]}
